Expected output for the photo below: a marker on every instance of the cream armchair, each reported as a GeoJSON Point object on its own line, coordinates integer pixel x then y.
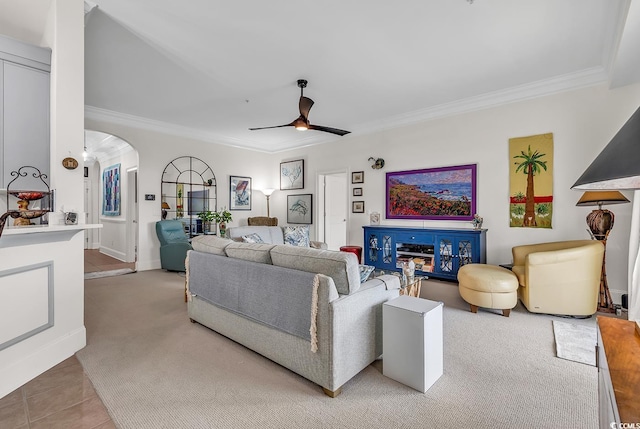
{"type": "Point", "coordinates": [559, 278]}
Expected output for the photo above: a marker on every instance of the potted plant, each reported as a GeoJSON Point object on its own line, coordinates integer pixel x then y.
{"type": "Point", "coordinates": [207, 217]}
{"type": "Point", "coordinates": [222, 216]}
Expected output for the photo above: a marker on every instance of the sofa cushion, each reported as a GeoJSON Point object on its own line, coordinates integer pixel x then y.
{"type": "Point", "coordinates": [269, 234]}
{"type": "Point", "coordinates": [252, 238]}
{"type": "Point", "coordinates": [252, 252]}
{"type": "Point", "coordinates": [296, 235]}
{"type": "Point", "coordinates": [210, 244]}
{"type": "Point", "coordinates": [342, 267]}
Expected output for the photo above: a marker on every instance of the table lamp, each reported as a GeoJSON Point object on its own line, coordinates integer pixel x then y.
{"type": "Point", "coordinates": [617, 167]}
{"type": "Point", "coordinates": [600, 221]}
{"type": "Point", "coordinates": [165, 207]}
{"type": "Point", "coordinates": [267, 193]}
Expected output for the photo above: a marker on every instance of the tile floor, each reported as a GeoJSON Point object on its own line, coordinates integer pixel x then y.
{"type": "Point", "coordinates": [62, 397]}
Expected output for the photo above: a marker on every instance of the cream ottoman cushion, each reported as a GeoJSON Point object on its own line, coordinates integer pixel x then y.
{"type": "Point", "coordinates": [488, 286]}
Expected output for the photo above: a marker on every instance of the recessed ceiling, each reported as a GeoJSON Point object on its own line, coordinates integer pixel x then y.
{"type": "Point", "coordinates": [213, 69]}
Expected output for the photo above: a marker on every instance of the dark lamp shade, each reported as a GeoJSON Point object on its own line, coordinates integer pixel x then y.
{"type": "Point", "coordinates": [165, 205]}
{"type": "Point", "coordinates": [618, 165]}
{"type": "Point", "coordinates": [599, 198]}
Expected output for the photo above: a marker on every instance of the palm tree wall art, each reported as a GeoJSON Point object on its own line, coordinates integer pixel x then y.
{"type": "Point", "coordinates": [531, 181]}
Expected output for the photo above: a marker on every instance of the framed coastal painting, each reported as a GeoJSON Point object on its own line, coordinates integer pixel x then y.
{"type": "Point", "coordinates": [445, 193]}
{"type": "Point", "coordinates": [299, 208]}
{"type": "Point", "coordinates": [239, 193]}
{"type": "Point", "coordinates": [111, 191]}
{"type": "Point", "coordinates": [292, 174]}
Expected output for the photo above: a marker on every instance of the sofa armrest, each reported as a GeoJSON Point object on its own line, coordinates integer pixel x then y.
{"type": "Point", "coordinates": [560, 255]}
{"type": "Point", "coordinates": [356, 321]}
{"type": "Point", "coordinates": [520, 253]}
{"type": "Point", "coordinates": [318, 245]}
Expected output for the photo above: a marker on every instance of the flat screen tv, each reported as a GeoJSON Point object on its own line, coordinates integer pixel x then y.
{"type": "Point", "coordinates": [198, 201]}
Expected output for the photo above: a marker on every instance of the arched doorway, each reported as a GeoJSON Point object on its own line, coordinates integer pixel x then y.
{"type": "Point", "coordinates": [113, 248]}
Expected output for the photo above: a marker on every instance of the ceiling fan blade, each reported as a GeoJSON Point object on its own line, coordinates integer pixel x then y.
{"type": "Point", "coordinates": [275, 126]}
{"type": "Point", "coordinates": [328, 130]}
{"type": "Point", "coordinates": [305, 105]}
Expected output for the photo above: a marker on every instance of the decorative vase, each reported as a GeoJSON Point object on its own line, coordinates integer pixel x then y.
{"type": "Point", "coordinates": [23, 205]}
{"type": "Point", "coordinates": [223, 229]}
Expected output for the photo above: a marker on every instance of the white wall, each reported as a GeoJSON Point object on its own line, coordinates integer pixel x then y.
{"type": "Point", "coordinates": [582, 121]}
{"type": "Point", "coordinates": [113, 236]}
{"type": "Point", "coordinates": [156, 150]}
{"type": "Point", "coordinates": [25, 360]}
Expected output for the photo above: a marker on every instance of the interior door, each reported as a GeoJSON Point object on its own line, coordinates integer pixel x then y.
{"type": "Point", "coordinates": [335, 209]}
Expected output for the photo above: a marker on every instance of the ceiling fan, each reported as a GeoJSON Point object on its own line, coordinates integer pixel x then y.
{"type": "Point", "coordinates": [302, 122]}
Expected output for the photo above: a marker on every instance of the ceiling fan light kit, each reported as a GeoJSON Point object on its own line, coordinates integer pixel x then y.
{"type": "Point", "coordinates": [302, 122]}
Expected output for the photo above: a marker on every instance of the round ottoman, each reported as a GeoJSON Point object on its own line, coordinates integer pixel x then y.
{"type": "Point", "coordinates": [488, 286]}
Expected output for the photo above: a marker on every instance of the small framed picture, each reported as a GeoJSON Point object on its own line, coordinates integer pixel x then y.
{"type": "Point", "coordinates": [357, 177]}
{"type": "Point", "coordinates": [292, 174]}
{"type": "Point", "coordinates": [299, 208]}
{"type": "Point", "coordinates": [357, 207]}
{"type": "Point", "coordinates": [357, 192]}
{"type": "Point", "coordinates": [374, 218]}
{"type": "Point", "coordinates": [239, 193]}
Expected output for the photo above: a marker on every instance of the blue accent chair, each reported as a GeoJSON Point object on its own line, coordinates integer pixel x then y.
{"type": "Point", "coordinates": [174, 244]}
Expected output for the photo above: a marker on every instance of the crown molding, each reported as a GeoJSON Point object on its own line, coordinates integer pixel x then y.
{"type": "Point", "coordinates": [124, 119]}
{"type": "Point", "coordinates": [585, 78]}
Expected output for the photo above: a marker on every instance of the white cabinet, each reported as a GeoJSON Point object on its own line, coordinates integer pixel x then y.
{"type": "Point", "coordinates": [24, 110]}
{"type": "Point", "coordinates": [412, 341]}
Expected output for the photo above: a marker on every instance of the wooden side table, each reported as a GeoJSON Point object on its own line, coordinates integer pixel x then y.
{"type": "Point", "coordinates": [618, 361]}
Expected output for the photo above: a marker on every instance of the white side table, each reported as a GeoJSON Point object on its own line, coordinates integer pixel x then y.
{"type": "Point", "coordinates": [412, 341]}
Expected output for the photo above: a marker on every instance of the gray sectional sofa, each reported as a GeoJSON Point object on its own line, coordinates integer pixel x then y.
{"type": "Point", "coordinates": [303, 308]}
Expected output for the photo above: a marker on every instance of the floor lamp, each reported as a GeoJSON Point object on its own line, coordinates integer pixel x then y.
{"type": "Point", "coordinates": [600, 223]}
{"type": "Point", "coordinates": [267, 193]}
{"type": "Point", "coordinates": [618, 167]}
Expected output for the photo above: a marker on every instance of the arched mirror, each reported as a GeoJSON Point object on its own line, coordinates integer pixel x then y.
{"type": "Point", "coordinates": [188, 188]}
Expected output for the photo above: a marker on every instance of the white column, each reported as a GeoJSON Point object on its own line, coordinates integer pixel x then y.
{"type": "Point", "coordinates": [634, 260]}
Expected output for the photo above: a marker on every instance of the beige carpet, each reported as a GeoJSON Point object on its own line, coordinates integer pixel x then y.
{"type": "Point", "coordinates": [155, 369]}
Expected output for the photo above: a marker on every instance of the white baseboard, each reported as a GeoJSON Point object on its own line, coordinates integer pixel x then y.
{"type": "Point", "coordinates": [120, 256]}
{"type": "Point", "coordinates": [149, 265]}
{"type": "Point", "coordinates": [616, 295]}
{"type": "Point", "coordinates": [42, 359]}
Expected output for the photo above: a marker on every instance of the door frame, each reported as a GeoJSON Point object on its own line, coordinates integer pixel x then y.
{"type": "Point", "coordinates": [132, 215]}
{"type": "Point", "coordinates": [321, 214]}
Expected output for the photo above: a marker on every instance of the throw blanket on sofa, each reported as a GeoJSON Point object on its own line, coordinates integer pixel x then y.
{"type": "Point", "coordinates": [278, 297]}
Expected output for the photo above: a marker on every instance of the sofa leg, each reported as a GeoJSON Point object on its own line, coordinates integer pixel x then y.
{"type": "Point", "coordinates": [474, 308]}
{"type": "Point", "coordinates": [506, 312]}
{"type": "Point", "coordinates": [332, 393]}
{"type": "Point", "coordinates": [191, 320]}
